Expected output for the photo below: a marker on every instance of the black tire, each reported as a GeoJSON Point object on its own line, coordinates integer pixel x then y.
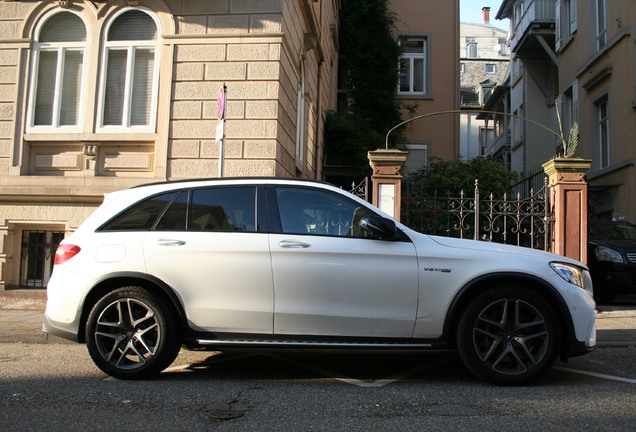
{"type": "Point", "coordinates": [508, 335]}
{"type": "Point", "coordinates": [132, 333]}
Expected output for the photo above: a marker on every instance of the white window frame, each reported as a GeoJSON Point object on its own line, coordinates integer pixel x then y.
{"type": "Point", "coordinates": [130, 47]}
{"type": "Point", "coordinates": [301, 118]}
{"type": "Point", "coordinates": [61, 48]}
{"type": "Point", "coordinates": [491, 68]}
{"type": "Point", "coordinates": [411, 57]}
{"type": "Point", "coordinates": [604, 133]}
{"type": "Point", "coordinates": [412, 147]}
{"type": "Point", "coordinates": [601, 23]}
{"type": "Point", "coordinates": [472, 47]}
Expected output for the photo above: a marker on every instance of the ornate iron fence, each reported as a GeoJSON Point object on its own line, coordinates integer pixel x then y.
{"type": "Point", "coordinates": [519, 221]}
{"type": "Point", "coordinates": [361, 189]}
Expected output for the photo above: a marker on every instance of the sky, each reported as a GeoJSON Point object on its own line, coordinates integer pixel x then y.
{"type": "Point", "coordinates": [470, 12]}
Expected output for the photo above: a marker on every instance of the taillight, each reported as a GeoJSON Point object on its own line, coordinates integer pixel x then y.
{"type": "Point", "coordinates": [65, 252]}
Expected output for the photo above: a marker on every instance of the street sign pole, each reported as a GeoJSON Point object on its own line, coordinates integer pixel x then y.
{"type": "Point", "coordinates": [220, 127]}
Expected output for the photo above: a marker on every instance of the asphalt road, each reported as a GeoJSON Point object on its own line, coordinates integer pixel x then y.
{"type": "Point", "coordinates": [55, 387]}
{"type": "Point", "coordinates": [47, 384]}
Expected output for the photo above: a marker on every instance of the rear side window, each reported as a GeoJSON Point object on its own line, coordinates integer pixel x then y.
{"type": "Point", "coordinates": [175, 216]}
{"type": "Point", "coordinates": [223, 209]}
{"type": "Point", "coordinates": [141, 216]}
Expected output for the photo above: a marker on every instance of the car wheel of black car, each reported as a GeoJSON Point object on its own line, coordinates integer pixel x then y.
{"type": "Point", "coordinates": [132, 333]}
{"type": "Point", "coordinates": [508, 335]}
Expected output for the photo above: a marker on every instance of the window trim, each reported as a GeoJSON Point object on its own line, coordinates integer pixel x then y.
{"type": "Point", "coordinates": [601, 32]}
{"type": "Point", "coordinates": [301, 118]}
{"type": "Point", "coordinates": [604, 147]}
{"type": "Point", "coordinates": [61, 48]}
{"type": "Point", "coordinates": [130, 47]}
{"type": "Point", "coordinates": [426, 84]}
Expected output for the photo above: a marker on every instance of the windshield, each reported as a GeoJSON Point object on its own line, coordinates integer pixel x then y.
{"type": "Point", "coordinates": [613, 230]}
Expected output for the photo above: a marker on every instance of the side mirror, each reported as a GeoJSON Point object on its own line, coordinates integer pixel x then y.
{"type": "Point", "coordinates": [379, 227]}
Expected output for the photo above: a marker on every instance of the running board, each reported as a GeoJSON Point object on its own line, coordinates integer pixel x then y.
{"type": "Point", "coordinates": [306, 344]}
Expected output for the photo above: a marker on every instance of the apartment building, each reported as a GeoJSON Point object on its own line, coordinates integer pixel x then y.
{"type": "Point", "coordinates": [484, 60]}
{"type": "Point", "coordinates": [429, 79]}
{"type": "Point", "coordinates": [102, 95]}
{"type": "Point", "coordinates": [578, 57]}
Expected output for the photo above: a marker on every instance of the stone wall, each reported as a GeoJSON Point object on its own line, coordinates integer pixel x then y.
{"type": "Point", "coordinates": [254, 47]}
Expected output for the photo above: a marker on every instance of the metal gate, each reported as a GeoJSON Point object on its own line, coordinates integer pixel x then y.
{"type": "Point", "coordinates": [38, 252]}
{"type": "Point", "coordinates": [519, 221]}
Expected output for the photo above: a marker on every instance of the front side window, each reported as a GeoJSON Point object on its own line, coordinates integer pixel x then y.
{"type": "Point", "coordinates": [307, 211]}
{"type": "Point", "coordinates": [129, 73]}
{"type": "Point", "coordinates": [413, 66]}
{"type": "Point", "coordinates": [58, 74]}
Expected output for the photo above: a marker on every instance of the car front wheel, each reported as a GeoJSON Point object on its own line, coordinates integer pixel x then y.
{"type": "Point", "coordinates": [132, 333]}
{"type": "Point", "coordinates": [509, 336]}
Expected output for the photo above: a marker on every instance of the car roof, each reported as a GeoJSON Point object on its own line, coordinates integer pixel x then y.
{"type": "Point", "coordinates": [233, 179]}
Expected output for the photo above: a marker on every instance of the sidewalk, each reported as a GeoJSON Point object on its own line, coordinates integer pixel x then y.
{"type": "Point", "coordinates": [22, 311]}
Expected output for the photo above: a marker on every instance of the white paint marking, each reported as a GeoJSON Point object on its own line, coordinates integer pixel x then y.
{"type": "Point", "coordinates": [596, 375]}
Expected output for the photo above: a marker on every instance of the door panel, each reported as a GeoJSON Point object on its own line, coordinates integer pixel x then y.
{"type": "Point", "coordinates": [217, 262]}
{"type": "Point", "coordinates": [344, 286]}
{"type": "Point", "coordinates": [330, 279]}
{"type": "Point", "coordinates": [224, 279]}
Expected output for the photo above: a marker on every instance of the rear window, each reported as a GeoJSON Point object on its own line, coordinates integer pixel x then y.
{"type": "Point", "coordinates": [210, 209]}
{"type": "Point", "coordinates": [141, 216]}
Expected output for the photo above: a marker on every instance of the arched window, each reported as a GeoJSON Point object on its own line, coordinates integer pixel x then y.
{"type": "Point", "coordinates": [129, 73]}
{"type": "Point", "coordinates": [57, 73]}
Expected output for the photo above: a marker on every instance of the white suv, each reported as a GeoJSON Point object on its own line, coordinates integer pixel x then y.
{"type": "Point", "coordinates": [274, 262]}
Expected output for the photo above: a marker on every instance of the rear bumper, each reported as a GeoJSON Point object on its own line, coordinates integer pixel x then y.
{"type": "Point", "coordinates": [63, 330]}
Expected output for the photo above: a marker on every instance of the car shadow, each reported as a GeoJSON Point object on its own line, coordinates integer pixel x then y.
{"type": "Point", "coordinates": [362, 368]}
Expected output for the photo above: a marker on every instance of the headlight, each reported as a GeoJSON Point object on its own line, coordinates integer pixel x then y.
{"type": "Point", "coordinates": [569, 273]}
{"type": "Point", "coordinates": [607, 254]}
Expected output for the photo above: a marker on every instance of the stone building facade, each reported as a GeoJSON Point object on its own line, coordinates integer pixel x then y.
{"type": "Point", "coordinates": [102, 95]}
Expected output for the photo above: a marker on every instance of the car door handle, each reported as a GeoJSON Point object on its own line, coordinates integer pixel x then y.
{"type": "Point", "coordinates": [291, 244]}
{"type": "Point", "coordinates": [168, 242]}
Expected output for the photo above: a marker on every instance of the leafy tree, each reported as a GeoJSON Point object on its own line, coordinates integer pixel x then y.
{"type": "Point", "coordinates": [449, 178]}
{"type": "Point", "coordinates": [369, 61]}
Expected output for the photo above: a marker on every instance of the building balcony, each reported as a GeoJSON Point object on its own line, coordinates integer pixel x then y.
{"type": "Point", "coordinates": [500, 144]}
{"type": "Point", "coordinates": [537, 21]}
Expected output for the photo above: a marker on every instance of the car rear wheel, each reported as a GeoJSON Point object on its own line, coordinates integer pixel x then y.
{"type": "Point", "coordinates": [132, 333]}
{"type": "Point", "coordinates": [509, 336]}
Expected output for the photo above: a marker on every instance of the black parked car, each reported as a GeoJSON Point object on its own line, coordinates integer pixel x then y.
{"type": "Point", "coordinates": [612, 258]}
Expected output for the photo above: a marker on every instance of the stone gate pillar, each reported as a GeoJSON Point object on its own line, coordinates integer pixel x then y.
{"type": "Point", "coordinates": [568, 193]}
{"type": "Point", "coordinates": [387, 179]}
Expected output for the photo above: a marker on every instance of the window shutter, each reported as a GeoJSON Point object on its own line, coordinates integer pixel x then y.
{"type": "Point", "coordinates": [575, 101]}
{"type": "Point", "coordinates": [142, 87]}
{"type": "Point", "coordinates": [557, 11]}
{"type": "Point", "coordinates": [63, 27]}
{"type": "Point", "coordinates": [115, 87]}
{"type": "Point", "coordinates": [45, 90]}
{"type": "Point", "coordinates": [133, 25]}
{"type": "Point", "coordinates": [71, 87]}
{"type": "Point", "coordinates": [573, 18]}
